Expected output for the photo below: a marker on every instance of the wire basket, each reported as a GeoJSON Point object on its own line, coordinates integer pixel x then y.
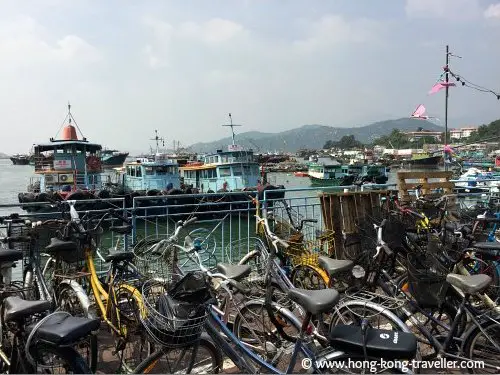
{"type": "Point", "coordinates": [168, 320]}
{"type": "Point", "coordinates": [155, 258]}
{"type": "Point", "coordinates": [426, 279]}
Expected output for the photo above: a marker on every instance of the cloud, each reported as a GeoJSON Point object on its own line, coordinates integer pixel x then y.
{"type": "Point", "coordinates": [493, 11]}
{"type": "Point", "coordinates": [445, 9]}
{"type": "Point", "coordinates": [334, 29]}
{"type": "Point", "coordinates": [24, 42]}
{"type": "Point", "coordinates": [214, 32]}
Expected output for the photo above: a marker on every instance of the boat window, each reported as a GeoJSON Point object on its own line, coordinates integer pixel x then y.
{"type": "Point", "coordinates": [237, 170]}
{"type": "Point", "coordinates": [224, 159]}
{"type": "Point", "coordinates": [149, 171]}
{"type": "Point", "coordinates": [131, 171]}
{"type": "Point", "coordinates": [138, 172]}
{"type": "Point", "coordinates": [224, 172]}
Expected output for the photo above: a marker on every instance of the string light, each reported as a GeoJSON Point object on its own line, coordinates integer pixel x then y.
{"type": "Point", "coordinates": [469, 84]}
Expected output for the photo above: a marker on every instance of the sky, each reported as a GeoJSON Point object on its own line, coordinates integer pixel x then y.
{"type": "Point", "coordinates": [130, 67]}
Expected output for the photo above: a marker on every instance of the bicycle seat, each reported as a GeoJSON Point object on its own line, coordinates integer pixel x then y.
{"type": "Point", "coordinates": [469, 284]}
{"type": "Point", "coordinates": [56, 246]}
{"type": "Point", "coordinates": [315, 301]}
{"type": "Point", "coordinates": [119, 256]}
{"type": "Point", "coordinates": [10, 255]}
{"type": "Point", "coordinates": [334, 266]}
{"type": "Point", "coordinates": [17, 308]}
{"type": "Point", "coordinates": [379, 343]}
{"type": "Point", "coordinates": [121, 229]}
{"type": "Point", "coordinates": [235, 272]}
{"type": "Point", "coordinates": [65, 329]}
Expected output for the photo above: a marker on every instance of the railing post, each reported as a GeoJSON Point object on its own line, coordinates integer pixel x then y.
{"type": "Point", "coordinates": [134, 222]}
{"type": "Point", "coordinates": [125, 214]}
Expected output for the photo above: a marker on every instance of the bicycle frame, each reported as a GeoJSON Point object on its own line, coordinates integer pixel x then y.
{"type": "Point", "coordinates": [106, 301]}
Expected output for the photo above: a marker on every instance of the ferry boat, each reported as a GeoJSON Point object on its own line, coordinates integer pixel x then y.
{"type": "Point", "coordinates": [336, 174]}
{"type": "Point", "coordinates": [67, 168]}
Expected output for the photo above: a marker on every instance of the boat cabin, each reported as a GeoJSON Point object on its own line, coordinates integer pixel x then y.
{"type": "Point", "coordinates": [68, 163]}
{"type": "Point", "coordinates": [144, 175]}
{"type": "Point", "coordinates": [328, 171]}
{"type": "Point", "coordinates": [230, 170]}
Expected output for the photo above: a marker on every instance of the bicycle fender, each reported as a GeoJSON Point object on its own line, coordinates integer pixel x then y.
{"type": "Point", "coordinates": [82, 296]}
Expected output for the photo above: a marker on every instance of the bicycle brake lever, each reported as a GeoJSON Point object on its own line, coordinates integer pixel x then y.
{"type": "Point", "coordinates": [378, 252]}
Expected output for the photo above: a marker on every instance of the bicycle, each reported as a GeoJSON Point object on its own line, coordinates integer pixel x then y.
{"type": "Point", "coordinates": [31, 339]}
{"type": "Point", "coordinates": [303, 340]}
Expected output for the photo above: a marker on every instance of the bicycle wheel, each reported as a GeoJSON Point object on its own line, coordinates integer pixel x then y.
{"type": "Point", "coordinates": [254, 328]}
{"type": "Point", "coordinates": [483, 344]}
{"type": "Point", "coordinates": [308, 277]}
{"type": "Point", "coordinates": [202, 358]}
{"type": "Point", "coordinates": [424, 323]}
{"type": "Point", "coordinates": [50, 359]}
{"type": "Point", "coordinates": [68, 300]}
{"type": "Point", "coordinates": [133, 345]}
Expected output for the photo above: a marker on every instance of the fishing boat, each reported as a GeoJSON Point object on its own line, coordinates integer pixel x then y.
{"type": "Point", "coordinates": [67, 168]}
{"type": "Point", "coordinates": [113, 158]}
{"type": "Point", "coordinates": [475, 180]}
{"type": "Point", "coordinates": [20, 159]}
{"type": "Point", "coordinates": [330, 174]}
{"type": "Point", "coordinates": [425, 160]}
{"type": "Point", "coordinates": [174, 187]}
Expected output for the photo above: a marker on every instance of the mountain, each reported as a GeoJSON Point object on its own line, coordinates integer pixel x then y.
{"type": "Point", "coordinates": [3, 156]}
{"type": "Point", "coordinates": [314, 136]}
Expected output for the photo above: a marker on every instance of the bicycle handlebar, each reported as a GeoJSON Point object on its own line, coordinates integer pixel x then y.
{"type": "Point", "coordinates": [274, 238]}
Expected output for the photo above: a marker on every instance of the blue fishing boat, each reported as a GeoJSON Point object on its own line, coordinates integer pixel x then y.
{"type": "Point", "coordinates": [234, 169]}
{"type": "Point", "coordinates": [67, 168]}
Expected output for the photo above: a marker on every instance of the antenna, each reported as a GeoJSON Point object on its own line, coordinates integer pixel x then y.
{"type": "Point", "coordinates": [232, 126]}
{"type": "Point", "coordinates": [158, 139]}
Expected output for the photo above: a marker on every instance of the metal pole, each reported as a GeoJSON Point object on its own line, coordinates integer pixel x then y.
{"type": "Point", "coordinates": [446, 103]}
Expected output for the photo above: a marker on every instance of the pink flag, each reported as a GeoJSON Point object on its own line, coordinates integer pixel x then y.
{"type": "Point", "coordinates": [419, 111]}
{"type": "Point", "coordinates": [439, 86]}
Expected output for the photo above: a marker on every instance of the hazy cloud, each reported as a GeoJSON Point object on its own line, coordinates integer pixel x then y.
{"type": "Point", "coordinates": [493, 11]}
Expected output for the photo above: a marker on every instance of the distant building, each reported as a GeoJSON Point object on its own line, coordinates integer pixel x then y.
{"type": "Point", "coordinates": [462, 132]}
{"type": "Point", "coordinates": [414, 136]}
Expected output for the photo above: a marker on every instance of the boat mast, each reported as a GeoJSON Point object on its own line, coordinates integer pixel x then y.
{"type": "Point", "coordinates": [232, 127]}
{"type": "Point", "coordinates": [446, 104]}
{"type": "Point", "coordinates": [158, 139]}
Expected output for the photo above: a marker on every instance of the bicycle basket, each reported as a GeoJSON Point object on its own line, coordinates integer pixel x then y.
{"type": "Point", "coordinates": [426, 279]}
{"type": "Point", "coordinates": [155, 258]}
{"type": "Point", "coordinates": [175, 312]}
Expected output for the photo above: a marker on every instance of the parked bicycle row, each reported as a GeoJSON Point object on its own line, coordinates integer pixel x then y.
{"type": "Point", "coordinates": [414, 282]}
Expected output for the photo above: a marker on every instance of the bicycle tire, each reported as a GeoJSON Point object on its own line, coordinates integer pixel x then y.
{"type": "Point", "coordinates": [74, 361]}
{"type": "Point", "coordinates": [205, 342]}
{"type": "Point", "coordinates": [67, 289]}
{"type": "Point", "coordinates": [269, 350]}
{"type": "Point", "coordinates": [470, 338]}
